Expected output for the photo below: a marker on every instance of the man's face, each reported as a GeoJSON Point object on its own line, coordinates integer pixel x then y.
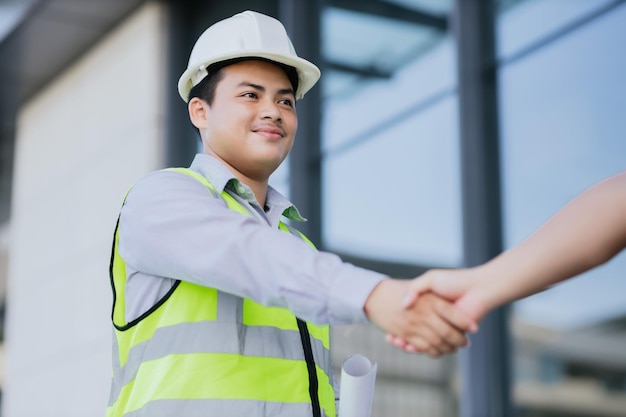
{"type": "Point", "coordinates": [252, 121]}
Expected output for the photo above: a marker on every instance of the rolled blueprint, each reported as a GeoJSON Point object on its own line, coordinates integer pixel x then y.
{"type": "Point", "coordinates": [358, 376]}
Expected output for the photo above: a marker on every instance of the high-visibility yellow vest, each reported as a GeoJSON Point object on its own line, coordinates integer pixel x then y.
{"type": "Point", "coordinates": [203, 352]}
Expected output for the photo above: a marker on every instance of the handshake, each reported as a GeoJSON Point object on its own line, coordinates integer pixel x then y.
{"type": "Point", "coordinates": [431, 314]}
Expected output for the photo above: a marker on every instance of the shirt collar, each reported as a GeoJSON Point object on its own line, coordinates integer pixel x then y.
{"type": "Point", "coordinates": [222, 178]}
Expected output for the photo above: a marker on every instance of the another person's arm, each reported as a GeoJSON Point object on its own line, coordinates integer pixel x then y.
{"type": "Point", "coordinates": [586, 233]}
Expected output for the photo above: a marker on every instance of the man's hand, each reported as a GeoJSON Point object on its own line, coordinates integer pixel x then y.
{"type": "Point", "coordinates": [431, 325]}
{"type": "Point", "coordinates": [460, 286]}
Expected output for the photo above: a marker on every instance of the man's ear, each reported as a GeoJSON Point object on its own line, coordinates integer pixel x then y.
{"type": "Point", "coordinates": [197, 112]}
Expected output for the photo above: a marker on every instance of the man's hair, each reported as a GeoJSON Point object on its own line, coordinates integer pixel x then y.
{"type": "Point", "coordinates": [205, 89]}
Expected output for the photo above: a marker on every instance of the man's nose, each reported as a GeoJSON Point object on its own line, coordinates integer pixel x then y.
{"type": "Point", "coordinates": [271, 110]}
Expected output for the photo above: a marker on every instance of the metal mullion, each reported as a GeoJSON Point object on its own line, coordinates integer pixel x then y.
{"type": "Point", "coordinates": [485, 366]}
{"type": "Point", "coordinates": [302, 21]}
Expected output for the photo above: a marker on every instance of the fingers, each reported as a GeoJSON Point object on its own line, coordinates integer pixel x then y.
{"type": "Point", "coordinates": [438, 338]}
{"type": "Point", "coordinates": [455, 316]}
{"type": "Point", "coordinates": [421, 346]}
{"type": "Point", "coordinates": [429, 340]}
{"type": "Point", "coordinates": [400, 343]}
{"type": "Point", "coordinates": [432, 326]}
{"type": "Point", "coordinates": [453, 320]}
{"type": "Point", "coordinates": [418, 285]}
{"type": "Point", "coordinates": [427, 331]}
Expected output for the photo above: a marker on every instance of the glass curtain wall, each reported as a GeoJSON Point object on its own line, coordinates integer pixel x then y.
{"type": "Point", "coordinates": [391, 172]}
{"type": "Point", "coordinates": [561, 69]}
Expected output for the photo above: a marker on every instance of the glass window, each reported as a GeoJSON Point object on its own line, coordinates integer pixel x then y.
{"type": "Point", "coordinates": [390, 141]}
{"type": "Point", "coordinates": [525, 22]}
{"type": "Point", "coordinates": [432, 6]}
{"type": "Point", "coordinates": [563, 129]}
{"type": "Point", "coordinates": [11, 14]}
{"type": "Point", "coordinates": [356, 60]}
{"type": "Point", "coordinates": [394, 196]}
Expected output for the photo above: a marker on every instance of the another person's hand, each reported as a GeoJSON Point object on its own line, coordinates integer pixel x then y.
{"type": "Point", "coordinates": [461, 286]}
{"type": "Point", "coordinates": [430, 325]}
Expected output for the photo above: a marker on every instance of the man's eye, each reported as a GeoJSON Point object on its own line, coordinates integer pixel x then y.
{"type": "Point", "coordinates": [251, 95]}
{"type": "Point", "coordinates": [287, 102]}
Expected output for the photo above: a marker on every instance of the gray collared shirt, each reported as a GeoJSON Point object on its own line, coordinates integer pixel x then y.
{"type": "Point", "coordinates": [172, 228]}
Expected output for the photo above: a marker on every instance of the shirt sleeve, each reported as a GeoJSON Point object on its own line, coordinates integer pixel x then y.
{"type": "Point", "coordinates": [172, 227]}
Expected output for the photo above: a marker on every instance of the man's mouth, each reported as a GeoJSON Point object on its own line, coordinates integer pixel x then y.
{"type": "Point", "coordinates": [270, 132]}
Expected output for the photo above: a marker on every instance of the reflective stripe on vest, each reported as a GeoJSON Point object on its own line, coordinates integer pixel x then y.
{"type": "Point", "coordinates": [203, 352]}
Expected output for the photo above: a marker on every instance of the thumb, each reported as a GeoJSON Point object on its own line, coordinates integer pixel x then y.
{"type": "Point", "coordinates": [418, 285]}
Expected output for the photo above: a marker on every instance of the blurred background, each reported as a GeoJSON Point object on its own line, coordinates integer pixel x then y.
{"type": "Point", "coordinates": [442, 132]}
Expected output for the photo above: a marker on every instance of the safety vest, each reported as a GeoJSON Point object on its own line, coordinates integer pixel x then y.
{"type": "Point", "coordinates": [203, 352]}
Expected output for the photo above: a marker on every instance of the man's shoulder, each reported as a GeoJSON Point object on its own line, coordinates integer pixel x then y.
{"type": "Point", "coordinates": [166, 181]}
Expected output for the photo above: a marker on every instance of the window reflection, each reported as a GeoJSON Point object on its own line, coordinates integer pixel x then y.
{"type": "Point", "coordinates": [562, 130]}
{"type": "Point", "coordinates": [390, 142]}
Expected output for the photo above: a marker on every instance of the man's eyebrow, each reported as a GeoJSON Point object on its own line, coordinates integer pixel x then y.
{"type": "Point", "coordinates": [249, 84]}
{"type": "Point", "coordinates": [287, 91]}
{"type": "Point", "coordinates": [261, 88]}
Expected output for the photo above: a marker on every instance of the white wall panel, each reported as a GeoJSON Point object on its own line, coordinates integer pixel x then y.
{"type": "Point", "coordinates": [81, 142]}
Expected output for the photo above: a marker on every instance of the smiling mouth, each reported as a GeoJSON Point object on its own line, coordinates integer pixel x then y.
{"type": "Point", "coordinates": [271, 133]}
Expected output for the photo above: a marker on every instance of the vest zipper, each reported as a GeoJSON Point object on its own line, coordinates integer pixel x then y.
{"type": "Point", "coordinates": [310, 366]}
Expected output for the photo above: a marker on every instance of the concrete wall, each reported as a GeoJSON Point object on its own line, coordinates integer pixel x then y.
{"type": "Point", "coordinates": [80, 143]}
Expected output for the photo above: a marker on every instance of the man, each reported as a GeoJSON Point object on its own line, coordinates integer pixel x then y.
{"type": "Point", "coordinates": [220, 308]}
{"type": "Point", "coordinates": [586, 233]}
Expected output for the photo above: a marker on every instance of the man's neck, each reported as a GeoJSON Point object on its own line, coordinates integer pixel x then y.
{"type": "Point", "coordinates": [257, 185]}
{"type": "Point", "coordinates": [258, 188]}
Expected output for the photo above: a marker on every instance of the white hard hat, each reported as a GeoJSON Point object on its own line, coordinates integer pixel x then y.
{"type": "Point", "coordinates": [246, 34]}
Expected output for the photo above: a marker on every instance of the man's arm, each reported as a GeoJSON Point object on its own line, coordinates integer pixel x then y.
{"type": "Point", "coordinates": [170, 226]}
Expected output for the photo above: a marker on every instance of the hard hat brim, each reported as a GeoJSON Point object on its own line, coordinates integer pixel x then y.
{"type": "Point", "coordinates": [308, 73]}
